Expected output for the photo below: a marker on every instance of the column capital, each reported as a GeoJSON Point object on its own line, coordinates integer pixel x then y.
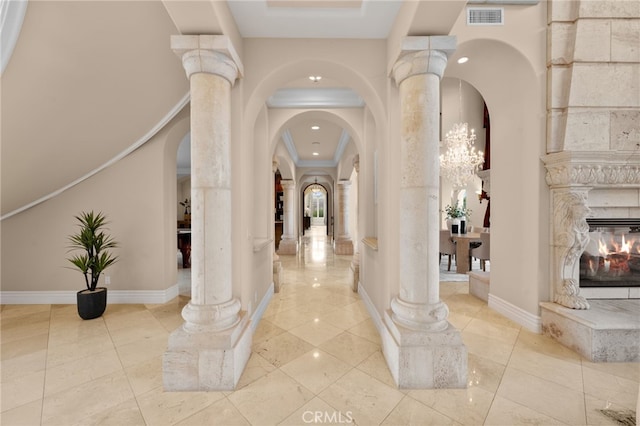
{"type": "Point", "coordinates": [288, 183]}
{"type": "Point", "coordinates": [211, 54]}
{"type": "Point", "coordinates": [423, 55]}
{"type": "Point", "coordinates": [344, 183]}
{"type": "Point", "coordinates": [356, 163]}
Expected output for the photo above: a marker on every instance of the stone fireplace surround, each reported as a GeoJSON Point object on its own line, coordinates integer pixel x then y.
{"type": "Point", "coordinates": [590, 184]}
{"type": "Point", "coordinates": [586, 184]}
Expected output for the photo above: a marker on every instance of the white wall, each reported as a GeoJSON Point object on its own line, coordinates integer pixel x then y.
{"type": "Point", "coordinates": [509, 71]}
{"type": "Point", "coordinates": [138, 195]}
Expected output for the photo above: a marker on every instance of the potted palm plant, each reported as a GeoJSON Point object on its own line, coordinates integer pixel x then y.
{"type": "Point", "coordinates": [95, 257]}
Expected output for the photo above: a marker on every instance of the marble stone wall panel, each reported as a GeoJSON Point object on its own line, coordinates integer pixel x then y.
{"type": "Point", "coordinates": [593, 40]}
{"type": "Point", "coordinates": [614, 197]}
{"type": "Point", "coordinates": [616, 346]}
{"type": "Point", "coordinates": [608, 9]}
{"type": "Point", "coordinates": [625, 40]}
{"type": "Point", "coordinates": [560, 43]}
{"type": "Point", "coordinates": [573, 335]}
{"type": "Point", "coordinates": [559, 86]}
{"type": "Point", "coordinates": [556, 125]}
{"type": "Point", "coordinates": [625, 130]}
{"type": "Point", "coordinates": [615, 212]}
{"type": "Point", "coordinates": [617, 84]}
{"type": "Point", "coordinates": [562, 11]}
{"type": "Point", "coordinates": [587, 131]}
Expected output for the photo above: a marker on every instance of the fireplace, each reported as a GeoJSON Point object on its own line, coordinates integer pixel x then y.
{"type": "Point", "coordinates": [611, 257]}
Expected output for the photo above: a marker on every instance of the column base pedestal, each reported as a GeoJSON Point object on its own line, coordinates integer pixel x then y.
{"type": "Point", "coordinates": [424, 360]}
{"type": "Point", "coordinates": [288, 247]}
{"type": "Point", "coordinates": [355, 274]}
{"type": "Point", "coordinates": [277, 276]}
{"type": "Point", "coordinates": [343, 247]}
{"type": "Point", "coordinates": [206, 361]}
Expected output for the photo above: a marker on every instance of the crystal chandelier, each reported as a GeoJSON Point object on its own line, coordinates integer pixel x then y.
{"type": "Point", "coordinates": [460, 161]}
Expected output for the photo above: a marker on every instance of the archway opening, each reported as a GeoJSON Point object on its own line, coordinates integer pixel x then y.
{"type": "Point", "coordinates": [315, 206]}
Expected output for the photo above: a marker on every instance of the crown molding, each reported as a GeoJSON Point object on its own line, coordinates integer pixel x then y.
{"type": "Point", "coordinates": [593, 169]}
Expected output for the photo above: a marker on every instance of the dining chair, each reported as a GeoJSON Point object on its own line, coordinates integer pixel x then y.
{"type": "Point", "coordinates": [447, 246]}
{"type": "Point", "coordinates": [482, 252]}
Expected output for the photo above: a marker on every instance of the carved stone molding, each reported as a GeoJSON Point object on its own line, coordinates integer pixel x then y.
{"type": "Point", "coordinates": [593, 169]}
{"type": "Point", "coordinates": [571, 231]}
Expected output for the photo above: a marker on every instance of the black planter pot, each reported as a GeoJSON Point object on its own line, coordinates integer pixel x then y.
{"type": "Point", "coordinates": [92, 304]}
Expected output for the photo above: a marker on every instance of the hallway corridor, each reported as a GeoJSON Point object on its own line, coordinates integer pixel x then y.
{"type": "Point", "coordinates": [316, 359]}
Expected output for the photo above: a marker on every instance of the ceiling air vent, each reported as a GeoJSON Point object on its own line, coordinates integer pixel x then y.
{"type": "Point", "coordinates": [485, 16]}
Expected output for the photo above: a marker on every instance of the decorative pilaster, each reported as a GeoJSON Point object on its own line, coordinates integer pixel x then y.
{"type": "Point", "coordinates": [355, 262]}
{"type": "Point", "coordinates": [209, 351]}
{"type": "Point", "coordinates": [289, 242]}
{"type": "Point", "coordinates": [426, 351]}
{"type": "Point", "coordinates": [343, 243]}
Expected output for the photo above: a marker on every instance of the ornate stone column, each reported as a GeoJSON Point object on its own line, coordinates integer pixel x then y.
{"type": "Point", "coordinates": [355, 262]}
{"type": "Point", "coordinates": [289, 242]}
{"type": "Point", "coordinates": [343, 243]}
{"type": "Point", "coordinates": [277, 264]}
{"type": "Point", "coordinates": [209, 351]}
{"type": "Point", "coordinates": [570, 238]}
{"type": "Point", "coordinates": [426, 351]}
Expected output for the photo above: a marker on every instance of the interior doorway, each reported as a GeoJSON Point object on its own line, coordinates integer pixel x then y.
{"type": "Point", "coordinates": [315, 206]}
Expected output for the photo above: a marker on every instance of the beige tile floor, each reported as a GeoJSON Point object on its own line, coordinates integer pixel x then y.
{"type": "Point", "coordinates": [316, 360]}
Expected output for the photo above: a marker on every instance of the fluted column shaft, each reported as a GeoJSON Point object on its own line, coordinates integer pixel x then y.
{"type": "Point", "coordinates": [211, 72]}
{"type": "Point", "coordinates": [417, 73]}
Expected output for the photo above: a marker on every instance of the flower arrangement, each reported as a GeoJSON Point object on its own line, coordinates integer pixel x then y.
{"type": "Point", "coordinates": [456, 211]}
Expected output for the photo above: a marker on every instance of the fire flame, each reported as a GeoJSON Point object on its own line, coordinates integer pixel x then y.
{"type": "Point", "coordinates": [602, 248]}
{"type": "Point", "coordinates": [623, 247]}
{"type": "Point", "coordinates": [626, 247]}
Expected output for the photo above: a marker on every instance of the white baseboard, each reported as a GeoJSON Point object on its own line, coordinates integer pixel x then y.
{"type": "Point", "coordinates": [151, 297]}
{"type": "Point", "coordinates": [375, 316]}
{"type": "Point", "coordinates": [262, 306]}
{"type": "Point", "coordinates": [514, 313]}
{"type": "Point", "coordinates": [527, 320]}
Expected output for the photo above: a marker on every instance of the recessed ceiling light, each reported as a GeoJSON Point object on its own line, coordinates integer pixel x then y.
{"type": "Point", "coordinates": [463, 60]}
{"type": "Point", "coordinates": [315, 153]}
{"type": "Point", "coordinates": [315, 78]}
{"type": "Point", "coordinates": [315, 127]}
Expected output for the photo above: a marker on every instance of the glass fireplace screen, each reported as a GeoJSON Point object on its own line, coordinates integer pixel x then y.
{"type": "Point", "coordinates": [612, 256]}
